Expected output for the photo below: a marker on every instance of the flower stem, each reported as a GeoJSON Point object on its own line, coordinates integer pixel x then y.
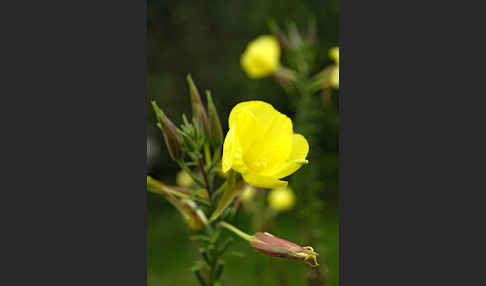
{"type": "Point", "coordinates": [237, 231]}
{"type": "Point", "coordinates": [204, 175]}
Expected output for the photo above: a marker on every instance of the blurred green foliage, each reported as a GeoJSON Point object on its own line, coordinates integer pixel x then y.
{"type": "Point", "coordinates": [206, 39]}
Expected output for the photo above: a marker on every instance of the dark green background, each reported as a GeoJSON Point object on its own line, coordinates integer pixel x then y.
{"type": "Point", "coordinates": [206, 39]}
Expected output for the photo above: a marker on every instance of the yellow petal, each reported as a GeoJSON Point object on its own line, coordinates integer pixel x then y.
{"type": "Point", "coordinates": [300, 149]}
{"type": "Point", "coordinates": [263, 182]}
{"type": "Point", "coordinates": [232, 153]}
{"type": "Point", "coordinates": [263, 112]}
{"type": "Point", "coordinates": [273, 147]}
{"type": "Point", "coordinates": [228, 151]}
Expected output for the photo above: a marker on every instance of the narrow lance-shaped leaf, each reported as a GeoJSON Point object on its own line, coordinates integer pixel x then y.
{"type": "Point", "coordinates": [169, 131]}
{"type": "Point", "coordinates": [281, 37]}
{"type": "Point", "coordinates": [216, 137]}
{"type": "Point", "coordinates": [198, 111]}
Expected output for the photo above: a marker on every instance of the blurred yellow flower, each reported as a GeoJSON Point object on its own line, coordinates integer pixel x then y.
{"type": "Point", "coordinates": [261, 57]}
{"type": "Point", "coordinates": [262, 146]}
{"type": "Point", "coordinates": [281, 199]}
{"type": "Point", "coordinates": [248, 193]}
{"type": "Point", "coordinates": [334, 77]}
{"type": "Point", "coordinates": [183, 179]}
{"type": "Point", "coordinates": [334, 74]}
{"type": "Point", "coordinates": [334, 54]}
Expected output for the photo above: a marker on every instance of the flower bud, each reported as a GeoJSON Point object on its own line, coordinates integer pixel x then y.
{"type": "Point", "coordinates": [248, 193]}
{"type": "Point", "coordinates": [168, 129]}
{"type": "Point", "coordinates": [192, 216]}
{"type": "Point", "coordinates": [198, 111]}
{"type": "Point", "coordinates": [334, 54]}
{"type": "Point", "coordinates": [285, 77]}
{"type": "Point", "coordinates": [283, 40]}
{"type": "Point", "coordinates": [216, 136]}
{"type": "Point", "coordinates": [261, 57]}
{"type": "Point", "coordinates": [294, 36]}
{"type": "Point", "coordinates": [183, 179]}
{"type": "Point", "coordinates": [161, 188]}
{"type": "Point", "coordinates": [267, 243]}
{"type": "Point", "coordinates": [281, 199]}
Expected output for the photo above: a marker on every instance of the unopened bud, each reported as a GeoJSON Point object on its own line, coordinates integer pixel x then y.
{"type": "Point", "coordinates": [192, 216]}
{"type": "Point", "coordinates": [285, 77]}
{"type": "Point", "coordinates": [281, 199]}
{"type": "Point", "coordinates": [216, 137]}
{"type": "Point", "coordinates": [183, 179]}
{"type": "Point", "coordinates": [295, 37]}
{"type": "Point", "coordinates": [198, 111]}
{"type": "Point", "coordinates": [277, 33]}
{"type": "Point", "coordinates": [267, 243]}
{"type": "Point", "coordinates": [159, 187]}
{"type": "Point", "coordinates": [312, 31]}
{"type": "Point", "coordinates": [169, 131]}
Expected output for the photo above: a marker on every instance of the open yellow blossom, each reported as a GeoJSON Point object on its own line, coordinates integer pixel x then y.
{"type": "Point", "coordinates": [183, 179]}
{"type": "Point", "coordinates": [334, 54]}
{"type": "Point", "coordinates": [261, 57]}
{"type": "Point", "coordinates": [281, 199]}
{"type": "Point", "coordinates": [262, 146]}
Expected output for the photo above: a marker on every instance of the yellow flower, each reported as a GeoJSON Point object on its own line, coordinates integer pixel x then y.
{"type": "Point", "coordinates": [183, 179]}
{"type": "Point", "coordinates": [248, 193]}
{"type": "Point", "coordinates": [261, 145]}
{"type": "Point", "coordinates": [334, 54]}
{"type": "Point", "coordinates": [281, 199]}
{"type": "Point", "coordinates": [334, 71]}
{"type": "Point", "coordinates": [261, 57]}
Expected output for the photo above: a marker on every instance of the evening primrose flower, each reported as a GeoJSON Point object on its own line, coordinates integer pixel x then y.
{"type": "Point", "coordinates": [261, 145]}
{"type": "Point", "coordinates": [261, 57]}
{"type": "Point", "coordinates": [281, 199]}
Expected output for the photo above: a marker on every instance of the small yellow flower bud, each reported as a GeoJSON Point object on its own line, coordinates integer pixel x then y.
{"type": "Point", "coordinates": [261, 57]}
{"type": "Point", "coordinates": [184, 180]}
{"type": "Point", "coordinates": [282, 199]}
{"type": "Point", "coordinates": [248, 193]}
{"type": "Point", "coordinates": [334, 54]}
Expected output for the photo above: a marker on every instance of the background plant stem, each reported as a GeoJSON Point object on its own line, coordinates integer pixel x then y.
{"type": "Point", "coordinates": [307, 121]}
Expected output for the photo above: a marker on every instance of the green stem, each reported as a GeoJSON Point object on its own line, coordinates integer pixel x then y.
{"type": "Point", "coordinates": [237, 231]}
